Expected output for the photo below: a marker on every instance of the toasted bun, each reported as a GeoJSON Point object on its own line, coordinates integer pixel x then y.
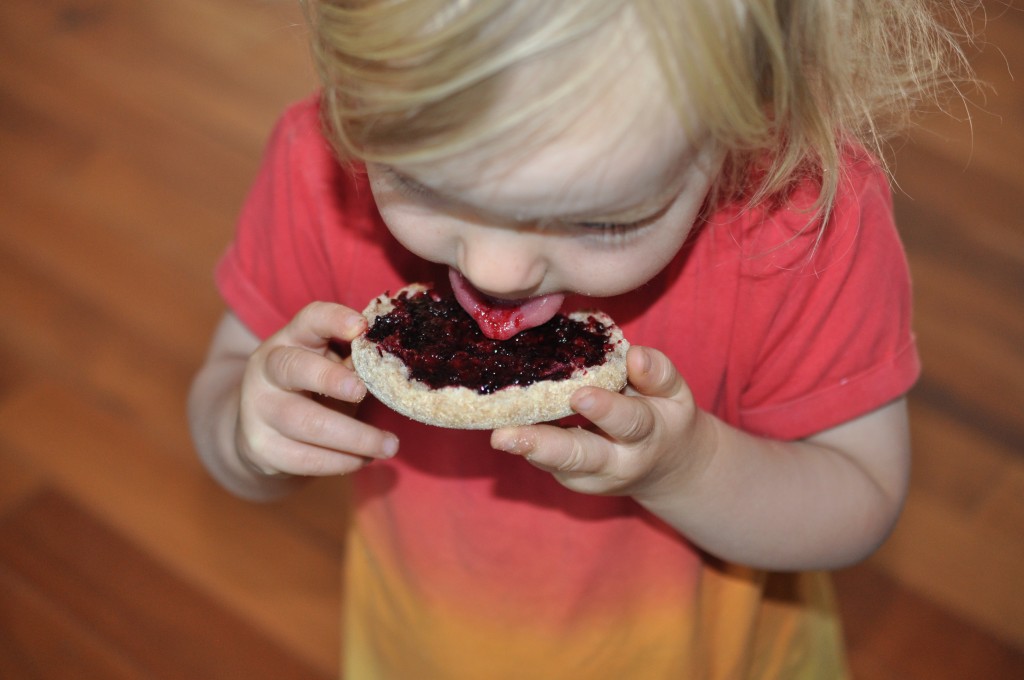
{"type": "Point", "coordinates": [387, 378]}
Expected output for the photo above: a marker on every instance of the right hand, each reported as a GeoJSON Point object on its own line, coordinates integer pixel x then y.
{"type": "Point", "coordinates": [298, 400]}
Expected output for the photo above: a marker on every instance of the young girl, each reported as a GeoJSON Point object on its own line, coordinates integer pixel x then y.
{"type": "Point", "coordinates": [704, 172]}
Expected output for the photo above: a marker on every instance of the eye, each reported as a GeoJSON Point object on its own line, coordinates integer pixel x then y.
{"type": "Point", "coordinates": [406, 185]}
{"type": "Point", "coordinates": [612, 230]}
{"type": "Point", "coordinates": [608, 226]}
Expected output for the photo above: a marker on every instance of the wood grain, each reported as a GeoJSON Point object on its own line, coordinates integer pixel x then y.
{"type": "Point", "coordinates": [129, 133]}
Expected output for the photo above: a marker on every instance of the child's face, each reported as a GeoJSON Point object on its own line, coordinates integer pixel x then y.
{"type": "Point", "coordinates": [598, 209]}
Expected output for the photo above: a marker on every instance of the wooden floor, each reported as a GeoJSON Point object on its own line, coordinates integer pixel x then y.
{"type": "Point", "coordinates": [129, 130]}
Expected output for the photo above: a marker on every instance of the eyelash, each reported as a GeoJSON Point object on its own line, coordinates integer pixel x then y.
{"type": "Point", "coordinates": [608, 230]}
{"type": "Point", "coordinates": [611, 229]}
{"type": "Point", "coordinates": [406, 186]}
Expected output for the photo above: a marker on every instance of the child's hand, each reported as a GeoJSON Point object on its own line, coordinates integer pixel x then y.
{"type": "Point", "coordinates": [648, 438]}
{"type": "Point", "coordinates": [298, 400]}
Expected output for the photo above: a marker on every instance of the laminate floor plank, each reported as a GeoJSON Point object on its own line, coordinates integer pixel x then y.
{"type": "Point", "coordinates": [130, 132]}
{"type": "Point", "coordinates": [896, 634]}
{"type": "Point", "coordinates": [255, 560]}
{"type": "Point", "coordinates": [107, 589]}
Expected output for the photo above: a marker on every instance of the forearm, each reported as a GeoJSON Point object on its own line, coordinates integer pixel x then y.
{"type": "Point", "coordinates": [213, 418]}
{"type": "Point", "coordinates": [788, 505]}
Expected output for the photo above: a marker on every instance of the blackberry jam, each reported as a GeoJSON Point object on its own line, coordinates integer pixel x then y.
{"type": "Point", "coordinates": [443, 347]}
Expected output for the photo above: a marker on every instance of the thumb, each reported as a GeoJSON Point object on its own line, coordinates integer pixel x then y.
{"type": "Point", "coordinates": [652, 374]}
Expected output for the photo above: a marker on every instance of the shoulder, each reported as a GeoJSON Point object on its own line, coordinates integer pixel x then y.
{"type": "Point", "coordinates": [297, 138]}
{"type": "Point", "coordinates": [790, 233]}
{"type": "Point", "coordinates": [301, 119]}
{"type": "Point", "coordinates": [304, 165]}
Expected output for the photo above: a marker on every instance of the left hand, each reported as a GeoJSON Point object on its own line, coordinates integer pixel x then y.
{"type": "Point", "coordinates": [652, 436]}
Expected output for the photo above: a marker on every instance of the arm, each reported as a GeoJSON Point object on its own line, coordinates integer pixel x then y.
{"type": "Point", "coordinates": [266, 415]}
{"type": "Point", "coordinates": [820, 503]}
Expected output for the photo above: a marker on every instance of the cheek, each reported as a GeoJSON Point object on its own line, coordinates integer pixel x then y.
{"type": "Point", "coordinates": [411, 226]}
{"type": "Point", "coordinates": [416, 231]}
{"type": "Point", "coordinates": [618, 270]}
{"type": "Point", "coordinates": [607, 272]}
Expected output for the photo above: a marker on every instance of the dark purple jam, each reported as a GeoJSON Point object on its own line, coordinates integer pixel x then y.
{"type": "Point", "coordinates": [443, 347]}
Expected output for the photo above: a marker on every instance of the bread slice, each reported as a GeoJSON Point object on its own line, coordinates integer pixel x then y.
{"type": "Point", "coordinates": [387, 378]}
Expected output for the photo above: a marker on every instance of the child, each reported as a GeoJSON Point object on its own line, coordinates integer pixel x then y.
{"type": "Point", "coordinates": [702, 169]}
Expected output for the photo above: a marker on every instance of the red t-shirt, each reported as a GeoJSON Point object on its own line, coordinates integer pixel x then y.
{"type": "Point", "coordinates": [466, 562]}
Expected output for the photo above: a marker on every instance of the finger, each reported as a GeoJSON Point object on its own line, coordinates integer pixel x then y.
{"type": "Point", "coordinates": [295, 369]}
{"type": "Point", "coordinates": [320, 322]}
{"type": "Point", "coordinates": [556, 449]}
{"type": "Point", "coordinates": [652, 374]}
{"type": "Point", "coordinates": [627, 420]}
{"type": "Point", "coordinates": [305, 460]}
{"type": "Point", "coordinates": [303, 420]}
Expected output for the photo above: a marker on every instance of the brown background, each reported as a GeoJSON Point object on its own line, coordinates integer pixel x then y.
{"type": "Point", "coordinates": [129, 131]}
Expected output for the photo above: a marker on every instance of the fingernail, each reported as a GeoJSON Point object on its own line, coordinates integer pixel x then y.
{"type": "Point", "coordinates": [584, 403]}
{"type": "Point", "coordinates": [645, 361]}
{"type": "Point", "coordinates": [515, 445]}
{"type": "Point", "coordinates": [355, 326]}
{"type": "Point", "coordinates": [353, 389]}
{"type": "Point", "coordinates": [390, 446]}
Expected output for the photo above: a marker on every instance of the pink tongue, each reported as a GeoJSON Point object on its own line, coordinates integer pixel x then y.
{"type": "Point", "coordinates": [501, 319]}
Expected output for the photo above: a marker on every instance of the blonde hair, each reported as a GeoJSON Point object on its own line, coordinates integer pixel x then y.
{"type": "Point", "coordinates": [782, 87]}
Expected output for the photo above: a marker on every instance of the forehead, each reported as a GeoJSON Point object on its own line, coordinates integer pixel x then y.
{"type": "Point", "coordinates": [615, 139]}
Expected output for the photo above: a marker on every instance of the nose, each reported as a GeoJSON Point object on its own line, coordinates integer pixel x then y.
{"type": "Point", "coordinates": [502, 263]}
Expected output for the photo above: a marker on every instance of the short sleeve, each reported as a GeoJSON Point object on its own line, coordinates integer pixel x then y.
{"type": "Point", "coordinates": [277, 263]}
{"type": "Point", "coordinates": [825, 314]}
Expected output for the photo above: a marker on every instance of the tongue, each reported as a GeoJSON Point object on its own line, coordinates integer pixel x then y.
{"type": "Point", "coordinates": [501, 319]}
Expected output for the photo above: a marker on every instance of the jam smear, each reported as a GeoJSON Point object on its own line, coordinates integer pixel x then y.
{"type": "Point", "coordinates": [442, 346]}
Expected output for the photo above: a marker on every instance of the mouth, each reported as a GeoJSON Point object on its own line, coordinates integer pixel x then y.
{"type": "Point", "coordinates": [501, 319]}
